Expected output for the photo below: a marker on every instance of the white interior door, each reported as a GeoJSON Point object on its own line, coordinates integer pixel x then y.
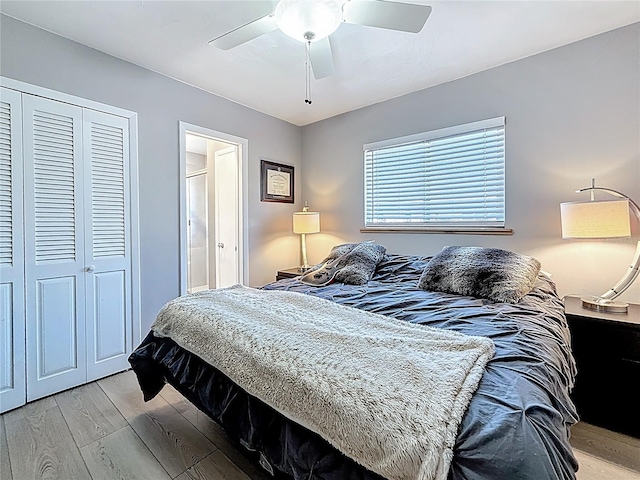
{"type": "Point", "coordinates": [12, 327]}
{"type": "Point", "coordinates": [197, 232]}
{"type": "Point", "coordinates": [107, 240]}
{"type": "Point", "coordinates": [54, 246]}
{"type": "Point", "coordinates": [226, 217]}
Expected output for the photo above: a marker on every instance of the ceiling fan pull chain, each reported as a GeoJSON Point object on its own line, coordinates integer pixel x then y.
{"type": "Point", "coordinates": [307, 73]}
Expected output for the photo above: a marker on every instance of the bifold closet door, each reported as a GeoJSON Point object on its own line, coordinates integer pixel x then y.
{"type": "Point", "coordinates": [107, 243]}
{"type": "Point", "coordinates": [12, 327]}
{"type": "Point", "coordinates": [54, 246]}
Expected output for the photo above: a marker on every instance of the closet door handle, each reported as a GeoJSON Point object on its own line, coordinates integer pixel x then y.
{"type": "Point", "coordinates": [91, 268]}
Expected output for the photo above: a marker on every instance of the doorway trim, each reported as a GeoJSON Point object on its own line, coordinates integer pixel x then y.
{"type": "Point", "coordinates": [243, 198]}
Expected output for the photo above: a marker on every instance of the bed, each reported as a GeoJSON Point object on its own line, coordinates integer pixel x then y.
{"type": "Point", "coordinates": [517, 424]}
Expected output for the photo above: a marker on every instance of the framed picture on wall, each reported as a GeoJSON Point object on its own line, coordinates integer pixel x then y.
{"type": "Point", "coordinates": [276, 182]}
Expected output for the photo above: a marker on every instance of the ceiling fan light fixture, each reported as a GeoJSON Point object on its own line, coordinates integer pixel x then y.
{"type": "Point", "coordinates": [309, 20]}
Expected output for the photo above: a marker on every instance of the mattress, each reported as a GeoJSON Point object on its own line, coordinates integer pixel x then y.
{"type": "Point", "coordinates": [518, 421]}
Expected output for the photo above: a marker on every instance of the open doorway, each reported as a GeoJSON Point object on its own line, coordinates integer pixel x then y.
{"type": "Point", "coordinates": [212, 218]}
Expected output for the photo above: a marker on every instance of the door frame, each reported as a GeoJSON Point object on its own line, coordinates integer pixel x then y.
{"type": "Point", "coordinates": [243, 197]}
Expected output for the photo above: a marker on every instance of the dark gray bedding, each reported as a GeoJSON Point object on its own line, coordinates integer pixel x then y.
{"type": "Point", "coordinates": [517, 424]}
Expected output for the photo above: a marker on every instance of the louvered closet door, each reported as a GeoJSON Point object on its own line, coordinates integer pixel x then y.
{"type": "Point", "coordinates": [54, 246]}
{"type": "Point", "coordinates": [108, 243]}
{"type": "Point", "coordinates": [12, 356]}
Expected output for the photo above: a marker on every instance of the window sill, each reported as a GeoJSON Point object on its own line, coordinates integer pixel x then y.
{"type": "Point", "coordinates": [441, 230]}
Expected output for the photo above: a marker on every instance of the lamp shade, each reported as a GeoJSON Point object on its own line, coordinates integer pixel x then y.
{"type": "Point", "coordinates": [306, 222]}
{"type": "Point", "coordinates": [595, 219]}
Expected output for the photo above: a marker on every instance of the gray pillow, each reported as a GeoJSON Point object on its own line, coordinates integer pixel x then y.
{"type": "Point", "coordinates": [351, 263]}
{"type": "Point", "coordinates": [492, 273]}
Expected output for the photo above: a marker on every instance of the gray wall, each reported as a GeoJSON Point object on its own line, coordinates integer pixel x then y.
{"type": "Point", "coordinates": [40, 58]}
{"type": "Point", "coordinates": [572, 113]}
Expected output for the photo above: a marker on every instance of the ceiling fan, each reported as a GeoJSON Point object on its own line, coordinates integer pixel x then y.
{"type": "Point", "coordinates": [312, 21]}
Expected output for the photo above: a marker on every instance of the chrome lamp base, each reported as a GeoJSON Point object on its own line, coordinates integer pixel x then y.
{"type": "Point", "coordinates": [303, 246]}
{"type": "Point", "coordinates": [604, 305]}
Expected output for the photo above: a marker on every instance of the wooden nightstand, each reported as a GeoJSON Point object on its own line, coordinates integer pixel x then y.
{"type": "Point", "coordinates": [606, 347]}
{"type": "Point", "coordinates": [288, 273]}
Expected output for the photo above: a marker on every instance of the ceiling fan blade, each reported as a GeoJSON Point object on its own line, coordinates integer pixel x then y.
{"type": "Point", "coordinates": [245, 33]}
{"type": "Point", "coordinates": [406, 17]}
{"type": "Point", "coordinates": [321, 58]}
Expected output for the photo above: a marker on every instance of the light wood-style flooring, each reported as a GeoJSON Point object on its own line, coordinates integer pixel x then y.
{"type": "Point", "coordinates": [104, 430]}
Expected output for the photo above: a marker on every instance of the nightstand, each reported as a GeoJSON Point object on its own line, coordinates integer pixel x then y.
{"type": "Point", "coordinates": [606, 347]}
{"type": "Point", "coordinates": [288, 273]}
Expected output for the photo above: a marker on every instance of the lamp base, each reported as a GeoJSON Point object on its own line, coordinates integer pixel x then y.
{"type": "Point", "coordinates": [604, 305]}
{"type": "Point", "coordinates": [304, 268]}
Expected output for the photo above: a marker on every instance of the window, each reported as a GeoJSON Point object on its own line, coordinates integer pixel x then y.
{"type": "Point", "coordinates": [450, 179]}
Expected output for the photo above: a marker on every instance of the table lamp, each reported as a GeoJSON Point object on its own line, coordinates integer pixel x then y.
{"type": "Point", "coordinates": [305, 222]}
{"type": "Point", "coordinates": [603, 219]}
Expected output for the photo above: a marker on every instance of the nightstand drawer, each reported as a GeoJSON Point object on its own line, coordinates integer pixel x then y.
{"type": "Point", "coordinates": [617, 341]}
{"type": "Point", "coordinates": [629, 346]}
{"type": "Point", "coordinates": [288, 273]}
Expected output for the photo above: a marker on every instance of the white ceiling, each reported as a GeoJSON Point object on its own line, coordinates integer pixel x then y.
{"type": "Point", "coordinates": [372, 64]}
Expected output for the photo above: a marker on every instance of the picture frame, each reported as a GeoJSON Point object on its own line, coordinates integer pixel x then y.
{"type": "Point", "coordinates": [276, 180]}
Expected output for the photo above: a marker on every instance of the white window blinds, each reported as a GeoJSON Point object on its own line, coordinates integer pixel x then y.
{"type": "Point", "coordinates": [453, 177]}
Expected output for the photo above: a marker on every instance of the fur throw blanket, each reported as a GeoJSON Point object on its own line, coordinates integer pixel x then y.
{"type": "Point", "coordinates": [492, 273]}
{"type": "Point", "coordinates": [387, 393]}
{"type": "Point", "coordinates": [352, 263]}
